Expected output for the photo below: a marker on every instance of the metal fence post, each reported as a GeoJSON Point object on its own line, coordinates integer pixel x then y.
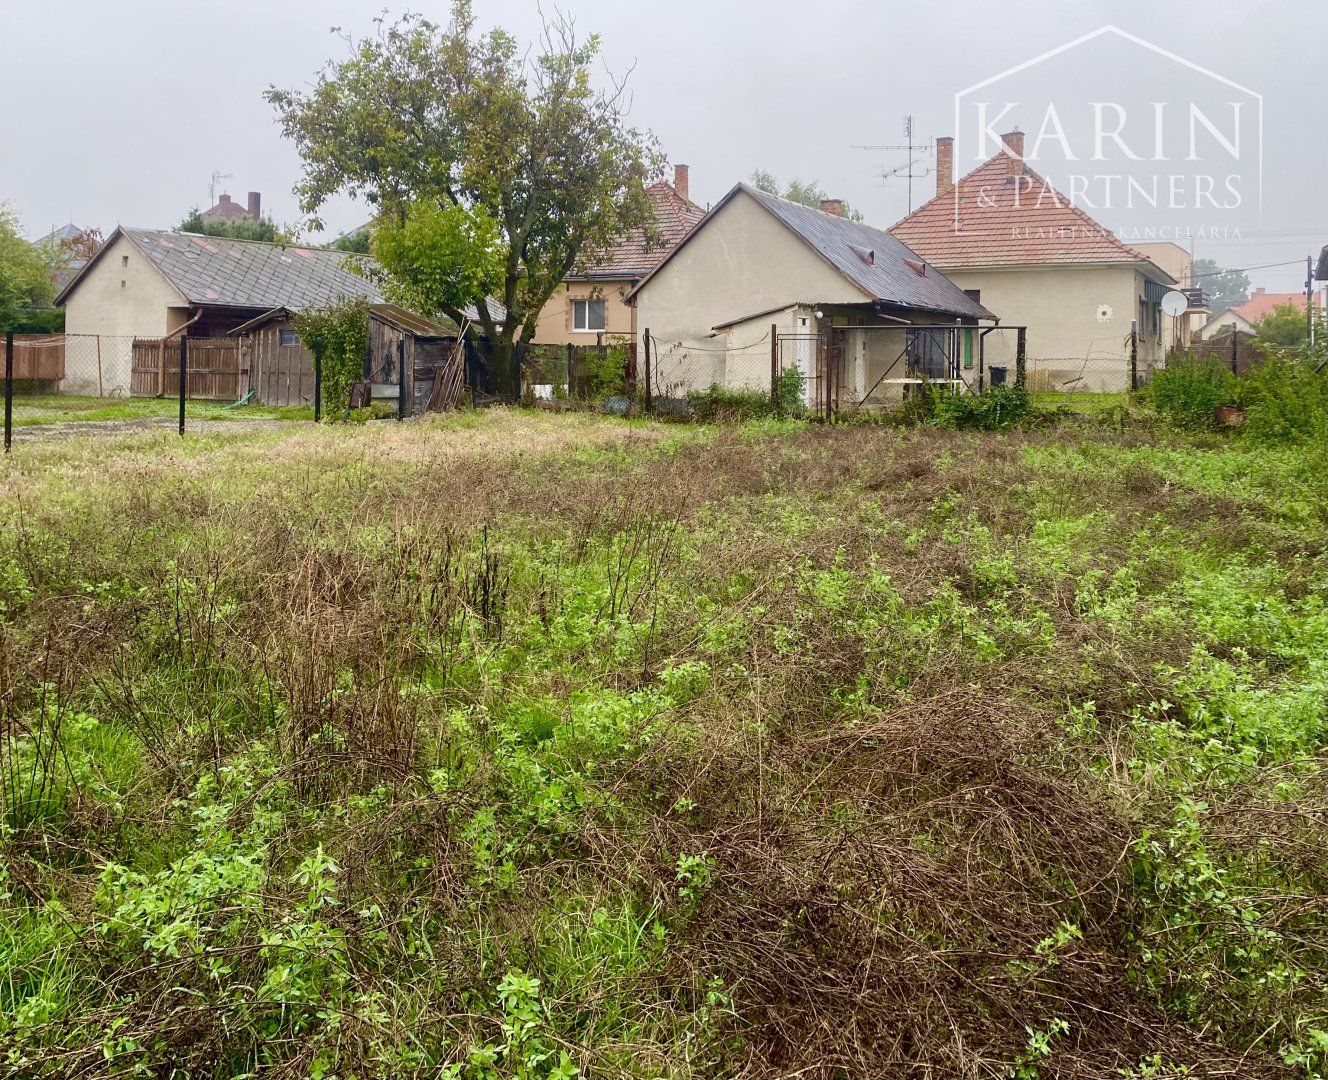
{"type": "Point", "coordinates": [9, 388]}
{"type": "Point", "coordinates": [184, 375]}
{"type": "Point", "coordinates": [570, 381]}
{"type": "Point", "coordinates": [650, 396]}
{"type": "Point", "coordinates": [1021, 357]}
{"type": "Point", "coordinates": [774, 366]}
{"type": "Point", "coordinates": [1134, 354]}
{"type": "Point", "coordinates": [401, 378]}
{"type": "Point", "coordinates": [1235, 343]}
{"type": "Point", "coordinates": [318, 381]}
{"type": "Point", "coordinates": [516, 372]}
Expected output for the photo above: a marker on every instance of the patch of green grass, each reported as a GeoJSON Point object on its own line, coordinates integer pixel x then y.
{"type": "Point", "coordinates": [1077, 401]}
{"type": "Point", "coordinates": [37, 409]}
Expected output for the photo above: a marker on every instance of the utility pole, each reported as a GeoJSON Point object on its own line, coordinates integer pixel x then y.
{"type": "Point", "coordinates": [1309, 298]}
{"type": "Point", "coordinates": [905, 170]}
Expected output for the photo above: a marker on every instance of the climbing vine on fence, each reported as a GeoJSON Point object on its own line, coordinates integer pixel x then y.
{"type": "Point", "coordinates": [340, 334]}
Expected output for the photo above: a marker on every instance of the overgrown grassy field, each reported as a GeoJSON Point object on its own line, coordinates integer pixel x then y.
{"type": "Point", "coordinates": [522, 745]}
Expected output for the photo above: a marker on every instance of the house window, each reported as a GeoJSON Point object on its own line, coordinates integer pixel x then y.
{"type": "Point", "coordinates": [587, 315]}
{"type": "Point", "coordinates": [290, 337]}
{"type": "Point", "coordinates": [974, 294]}
{"type": "Point", "coordinates": [124, 260]}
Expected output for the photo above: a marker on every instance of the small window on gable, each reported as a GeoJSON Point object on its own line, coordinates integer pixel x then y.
{"type": "Point", "coordinates": [290, 337]}
{"type": "Point", "coordinates": [124, 260]}
{"type": "Point", "coordinates": [974, 294]}
{"type": "Point", "coordinates": [588, 315]}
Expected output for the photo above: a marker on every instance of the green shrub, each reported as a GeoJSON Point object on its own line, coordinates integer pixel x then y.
{"type": "Point", "coordinates": [1187, 391]}
{"type": "Point", "coordinates": [720, 403]}
{"type": "Point", "coordinates": [340, 332]}
{"type": "Point", "coordinates": [606, 372]}
{"type": "Point", "coordinates": [790, 394]}
{"type": "Point", "coordinates": [992, 409]}
{"type": "Point", "coordinates": [1285, 401]}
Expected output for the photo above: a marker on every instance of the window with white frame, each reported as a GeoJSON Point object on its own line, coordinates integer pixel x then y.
{"type": "Point", "coordinates": [588, 315]}
{"type": "Point", "coordinates": [289, 337]}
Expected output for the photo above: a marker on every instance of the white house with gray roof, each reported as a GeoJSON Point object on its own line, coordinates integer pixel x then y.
{"type": "Point", "coordinates": [756, 261]}
{"type": "Point", "coordinates": [151, 283]}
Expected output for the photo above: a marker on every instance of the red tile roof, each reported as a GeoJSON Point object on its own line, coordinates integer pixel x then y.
{"type": "Point", "coordinates": [630, 258]}
{"type": "Point", "coordinates": [1002, 220]}
{"type": "Point", "coordinates": [1262, 303]}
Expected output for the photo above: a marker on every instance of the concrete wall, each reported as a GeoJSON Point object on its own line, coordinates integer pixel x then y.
{"type": "Point", "coordinates": [742, 263]}
{"type": "Point", "coordinates": [1078, 321]}
{"type": "Point", "coordinates": [554, 325]}
{"type": "Point", "coordinates": [122, 297]}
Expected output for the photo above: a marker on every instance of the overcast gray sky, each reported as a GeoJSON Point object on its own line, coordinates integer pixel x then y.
{"type": "Point", "coordinates": [118, 111]}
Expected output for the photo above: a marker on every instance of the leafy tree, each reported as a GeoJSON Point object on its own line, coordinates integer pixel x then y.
{"type": "Point", "coordinates": [25, 276]}
{"type": "Point", "coordinates": [1225, 288]}
{"type": "Point", "coordinates": [1285, 325]}
{"type": "Point", "coordinates": [807, 194]}
{"type": "Point", "coordinates": [422, 112]}
{"type": "Point", "coordinates": [441, 258]}
{"type": "Point", "coordinates": [355, 242]}
{"type": "Point", "coordinates": [80, 247]}
{"type": "Point", "coordinates": [242, 228]}
{"type": "Point", "coordinates": [339, 333]}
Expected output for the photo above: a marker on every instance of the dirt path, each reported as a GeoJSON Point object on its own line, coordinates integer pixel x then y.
{"type": "Point", "coordinates": [45, 432]}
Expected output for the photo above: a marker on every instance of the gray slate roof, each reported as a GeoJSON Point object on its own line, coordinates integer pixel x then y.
{"type": "Point", "coordinates": [887, 277]}
{"type": "Point", "coordinates": [217, 272]}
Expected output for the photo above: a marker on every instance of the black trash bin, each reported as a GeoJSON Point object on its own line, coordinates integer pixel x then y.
{"type": "Point", "coordinates": [997, 374]}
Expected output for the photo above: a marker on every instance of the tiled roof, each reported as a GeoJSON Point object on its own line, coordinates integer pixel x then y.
{"type": "Point", "coordinates": [630, 258]}
{"type": "Point", "coordinates": [878, 263]}
{"type": "Point", "coordinates": [226, 210]}
{"type": "Point", "coordinates": [1262, 303]}
{"type": "Point", "coordinates": [1001, 222]}
{"type": "Point", "coordinates": [248, 273]}
{"type": "Point", "coordinates": [58, 236]}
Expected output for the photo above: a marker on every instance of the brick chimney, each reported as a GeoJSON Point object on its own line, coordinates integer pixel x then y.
{"type": "Point", "coordinates": [224, 200]}
{"type": "Point", "coordinates": [680, 181]}
{"type": "Point", "coordinates": [833, 206]}
{"type": "Point", "coordinates": [1014, 148]}
{"type": "Point", "coordinates": [944, 163]}
{"type": "Point", "coordinates": [1260, 291]}
{"type": "Point", "coordinates": [255, 205]}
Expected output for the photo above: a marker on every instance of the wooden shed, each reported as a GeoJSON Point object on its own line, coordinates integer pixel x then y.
{"type": "Point", "coordinates": [399, 338]}
{"type": "Point", "coordinates": [281, 368]}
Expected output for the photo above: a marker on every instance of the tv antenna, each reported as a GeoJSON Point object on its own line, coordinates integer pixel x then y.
{"type": "Point", "coordinates": [905, 170]}
{"type": "Point", "coordinates": [217, 177]}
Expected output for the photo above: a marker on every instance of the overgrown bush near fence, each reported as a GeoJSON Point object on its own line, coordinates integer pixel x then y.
{"type": "Point", "coordinates": [1284, 397]}
{"type": "Point", "coordinates": [1188, 390]}
{"type": "Point", "coordinates": [1285, 401]}
{"type": "Point", "coordinates": [721, 404]}
{"type": "Point", "coordinates": [992, 409]}
{"type": "Point", "coordinates": [340, 332]}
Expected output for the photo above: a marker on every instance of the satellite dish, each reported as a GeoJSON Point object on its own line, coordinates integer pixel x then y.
{"type": "Point", "coordinates": [1175, 302]}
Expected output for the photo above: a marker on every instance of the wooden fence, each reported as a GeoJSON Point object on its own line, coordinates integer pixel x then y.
{"type": "Point", "coordinates": [39, 357]}
{"type": "Point", "coordinates": [214, 367]}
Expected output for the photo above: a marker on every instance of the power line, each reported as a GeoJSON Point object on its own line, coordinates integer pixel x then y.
{"type": "Point", "coordinates": [1246, 269]}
